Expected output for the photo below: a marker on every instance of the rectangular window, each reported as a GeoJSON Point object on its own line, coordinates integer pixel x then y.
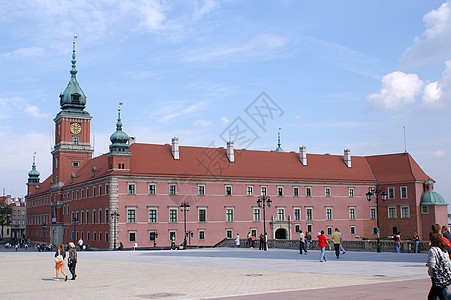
{"type": "Point", "coordinates": [132, 236]}
{"type": "Point", "coordinates": [100, 189]}
{"type": "Point", "coordinates": [309, 227]}
{"type": "Point", "coordinates": [107, 189]}
{"type": "Point", "coordinates": [297, 228]}
{"type": "Point", "coordinates": [391, 193]}
{"type": "Point", "coordinates": [100, 215]}
{"type": "Point", "coordinates": [82, 194]}
{"type": "Point", "coordinates": [106, 215]}
{"type": "Point", "coordinates": [87, 235]}
{"type": "Point", "coordinates": [131, 188]}
{"type": "Point", "coordinates": [352, 213]}
{"type": "Point", "coordinates": [308, 191]}
{"type": "Point", "coordinates": [106, 236]}
{"type": "Point", "coordinates": [93, 191]}
{"type": "Point", "coordinates": [172, 189]}
{"type": "Point", "coordinates": [403, 192]}
{"type": "Point", "coordinates": [405, 213]}
{"type": "Point", "coordinates": [229, 233]}
{"type": "Point", "coordinates": [201, 234]}
{"type": "Point", "coordinates": [352, 229]}
{"type": "Point", "coordinates": [309, 213]}
{"type": "Point", "coordinates": [256, 214]}
{"type": "Point", "coordinates": [173, 215]}
{"type": "Point", "coordinates": [351, 192]}
{"type": "Point", "coordinates": [202, 215]}
{"type": "Point", "coordinates": [153, 215]}
{"type": "Point", "coordinates": [263, 190]}
{"type": "Point", "coordinates": [373, 213]}
{"type": "Point", "coordinates": [424, 209]}
{"type": "Point", "coordinates": [392, 212]}
{"type": "Point", "coordinates": [327, 191]}
{"type": "Point", "coordinates": [100, 236]}
{"type": "Point", "coordinates": [250, 190]}
{"type": "Point", "coordinates": [93, 216]}
{"type": "Point", "coordinates": [375, 230]}
{"type": "Point", "coordinates": [328, 213]}
{"type": "Point", "coordinates": [87, 216]}
{"type": "Point", "coordinates": [152, 236]}
{"type": "Point", "coordinates": [228, 190]}
{"type": "Point", "coordinates": [297, 214]}
{"type": "Point", "coordinates": [280, 214]}
{"type": "Point", "coordinates": [329, 230]}
{"type": "Point", "coordinates": [152, 189]}
{"type": "Point", "coordinates": [131, 215]}
{"type": "Point", "coordinates": [75, 164]}
{"type": "Point", "coordinates": [201, 190]}
{"type": "Point", "coordinates": [280, 191]}
{"type": "Point", "coordinates": [229, 214]}
{"type": "Point", "coordinates": [87, 192]}
{"type": "Point", "coordinates": [296, 191]}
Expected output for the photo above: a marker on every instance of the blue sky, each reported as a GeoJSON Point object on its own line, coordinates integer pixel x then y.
{"type": "Point", "coordinates": [340, 74]}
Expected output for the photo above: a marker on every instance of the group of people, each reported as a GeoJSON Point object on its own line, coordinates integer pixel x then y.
{"type": "Point", "coordinates": [438, 262]}
{"type": "Point", "coordinates": [60, 256]}
{"type": "Point", "coordinates": [306, 239]}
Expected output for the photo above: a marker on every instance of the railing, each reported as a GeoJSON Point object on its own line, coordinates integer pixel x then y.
{"type": "Point", "coordinates": [358, 245]}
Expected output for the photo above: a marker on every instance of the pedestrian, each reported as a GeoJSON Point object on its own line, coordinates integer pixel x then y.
{"type": "Point", "coordinates": [416, 239]}
{"type": "Point", "coordinates": [398, 242]}
{"type": "Point", "coordinates": [80, 244]}
{"type": "Point", "coordinates": [60, 255]}
{"type": "Point", "coordinates": [262, 241]}
{"type": "Point", "coordinates": [121, 246]}
{"type": "Point", "coordinates": [173, 242]}
{"type": "Point", "coordinates": [252, 240]}
{"type": "Point", "coordinates": [341, 243]}
{"type": "Point", "coordinates": [249, 237]}
{"type": "Point", "coordinates": [135, 245]}
{"type": "Point", "coordinates": [26, 247]}
{"type": "Point", "coordinates": [445, 233]}
{"type": "Point", "coordinates": [308, 239]}
{"type": "Point", "coordinates": [237, 240]}
{"type": "Point", "coordinates": [336, 237]}
{"type": "Point", "coordinates": [322, 241]}
{"type": "Point", "coordinates": [72, 260]}
{"type": "Point", "coordinates": [302, 242]}
{"type": "Point", "coordinates": [436, 228]}
{"type": "Point", "coordinates": [439, 268]}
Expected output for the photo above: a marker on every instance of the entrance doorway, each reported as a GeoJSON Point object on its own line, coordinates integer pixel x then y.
{"type": "Point", "coordinates": [281, 234]}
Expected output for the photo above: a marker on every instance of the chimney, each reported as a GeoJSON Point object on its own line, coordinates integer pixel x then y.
{"type": "Point", "coordinates": [230, 154]}
{"type": "Point", "coordinates": [131, 140]}
{"type": "Point", "coordinates": [175, 148]}
{"type": "Point", "coordinates": [303, 155]}
{"type": "Point", "coordinates": [348, 157]}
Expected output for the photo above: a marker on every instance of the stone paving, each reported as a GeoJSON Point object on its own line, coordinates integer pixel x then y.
{"type": "Point", "coordinates": [225, 273]}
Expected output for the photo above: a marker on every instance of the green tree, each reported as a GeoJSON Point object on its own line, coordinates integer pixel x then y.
{"type": "Point", "coordinates": [5, 216]}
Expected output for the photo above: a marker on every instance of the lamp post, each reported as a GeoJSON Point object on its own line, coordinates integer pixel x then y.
{"type": "Point", "coordinates": [114, 216]}
{"type": "Point", "coordinates": [44, 226]}
{"type": "Point", "coordinates": [184, 207]}
{"type": "Point", "coordinates": [262, 202]}
{"type": "Point", "coordinates": [369, 195]}
{"type": "Point", "coordinates": [75, 222]}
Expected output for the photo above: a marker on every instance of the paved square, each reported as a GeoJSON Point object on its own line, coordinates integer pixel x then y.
{"type": "Point", "coordinates": [216, 273]}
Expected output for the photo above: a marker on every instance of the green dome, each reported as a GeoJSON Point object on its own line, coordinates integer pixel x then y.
{"type": "Point", "coordinates": [119, 139]}
{"type": "Point", "coordinates": [432, 198]}
{"type": "Point", "coordinates": [73, 98]}
{"type": "Point", "coordinates": [33, 175]}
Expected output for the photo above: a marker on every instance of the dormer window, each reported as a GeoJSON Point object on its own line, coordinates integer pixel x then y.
{"type": "Point", "coordinates": [75, 140]}
{"type": "Point", "coordinates": [75, 98]}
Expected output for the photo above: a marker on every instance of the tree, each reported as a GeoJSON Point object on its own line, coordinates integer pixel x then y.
{"type": "Point", "coordinates": [5, 216]}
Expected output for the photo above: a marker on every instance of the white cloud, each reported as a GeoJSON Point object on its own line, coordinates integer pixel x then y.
{"type": "Point", "coordinates": [432, 92]}
{"type": "Point", "coordinates": [202, 123]}
{"type": "Point", "coordinates": [200, 10]}
{"type": "Point", "coordinates": [398, 89]}
{"type": "Point", "coordinates": [22, 53]}
{"type": "Point", "coordinates": [34, 112]}
{"type": "Point", "coordinates": [439, 153]}
{"type": "Point", "coordinates": [434, 43]}
{"type": "Point", "coordinates": [224, 121]}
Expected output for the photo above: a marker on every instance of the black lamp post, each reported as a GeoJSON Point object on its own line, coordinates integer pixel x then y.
{"type": "Point", "coordinates": [75, 222]}
{"type": "Point", "coordinates": [184, 207]}
{"type": "Point", "coordinates": [369, 195]}
{"type": "Point", "coordinates": [114, 216]}
{"type": "Point", "coordinates": [262, 202]}
{"type": "Point", "coordinates": [44, 226]}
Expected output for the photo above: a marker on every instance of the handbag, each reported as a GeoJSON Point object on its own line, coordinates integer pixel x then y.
{"type": "Point", "coordinates": [441, 272]}
{"type": "Point", "coordinates": [58, 258]}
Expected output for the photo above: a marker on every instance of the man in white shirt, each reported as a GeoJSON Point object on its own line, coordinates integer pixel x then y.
{"type": "Point", "coordinates": [302, 242]}
{"type": "Point", "coordinates": [80, 244]}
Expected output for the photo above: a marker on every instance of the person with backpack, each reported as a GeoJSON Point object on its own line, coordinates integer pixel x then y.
{"type": "Point", "coordinates": [398, 242]}
{"type": "Point", "coordinates": [439, 268]}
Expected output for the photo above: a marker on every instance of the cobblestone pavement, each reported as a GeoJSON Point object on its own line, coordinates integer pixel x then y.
{"type": "Point", "coordinates": [225, 273]}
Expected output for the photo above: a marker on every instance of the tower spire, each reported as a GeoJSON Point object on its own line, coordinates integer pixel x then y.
{"type": "Point", "coordinates": [279, 149]}
{"type": "Point", "coordinates": [73, 71]}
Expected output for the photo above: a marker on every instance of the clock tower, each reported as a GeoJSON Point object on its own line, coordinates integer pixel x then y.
{"type": "Point", "coordinates": [72, 131]}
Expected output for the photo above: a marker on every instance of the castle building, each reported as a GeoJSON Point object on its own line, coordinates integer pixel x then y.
{"type": "Point", "coordinates": [142, 192]}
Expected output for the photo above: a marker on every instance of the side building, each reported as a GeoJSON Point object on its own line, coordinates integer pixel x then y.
{"type": "Point", "coordinates": [141, 192]}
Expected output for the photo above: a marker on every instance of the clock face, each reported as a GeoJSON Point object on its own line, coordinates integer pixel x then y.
{"type": "Point", "coordinates": [75, 128]}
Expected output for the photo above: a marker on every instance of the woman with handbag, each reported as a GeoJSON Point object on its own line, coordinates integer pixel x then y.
{"type": "Point", "coordinates": [439, 268]}
{"type": "Point", "coordinates": [72, 260]}
{"type": "Point", "coordinates": [60, 255]}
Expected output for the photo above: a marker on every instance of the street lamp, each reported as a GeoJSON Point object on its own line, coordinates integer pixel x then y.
{"type": "Point", "coordinates": [44, 226]}
{"type": "Point", "coordinates": [184, 207]}
{"type": "Point", "coordinates": [114, 216]}
{"type": "Point", "coordinates": [369, 195]}
{"type": "Point", "coordinates": [262, 202]}
{"type": "Point", "coordinates": [75, 222]}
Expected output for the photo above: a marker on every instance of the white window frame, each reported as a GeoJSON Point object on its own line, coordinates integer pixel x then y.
{"type": "Point", "coordinates": [256, 217]}
{"type": "Point", "coordinates": [150, 190]}
{"type": "Point", "coordinates": [201, 189]}
{"type": "Point", "coordinates": [424, 209]}
{"type": "Point", "coordinates": [308, 191]}
{"type": "Point", "coordinates": [307, 210]}
{"type": "Point", "coordinates": [391, 193]}
{"type": "Point", "coordinates": [329, 230]}
{"type": "Point", "coordinates": [232, 209]}
{"type": "Point", "coordinates": [226, 187]}
{"type": "Point", "coordinates": [280, 191]}
{"type": "Point", "coordinates": [156, 214]}
{"type": "Point", "coordinates": [249, 190]}
{"type": "Point", "coordinates": [331, 213]}
{"type": "Point", "coordinates": [391, 207]}
{"type": "Point", "coordinates": [129, 233]}
{"type": "Point", "coordinates": [280, 216]}
{"type": "Point", "coordinates": [351, 192]}
{"type": "Point", "coordinates": [198, 214]}
{"type": "Point", "coordinates": [401, 193]}
{"type": "Point", "coordinates": [263, 190]}
{"type": "Point", "coordinates": [295, 188]}
{"type": "Point", "coordinates": [129, 208]}
{"type": "Point", "coordinates": [373, 208]}
{"type": "Point", "coordinates": [327, 191]}
{"type": "Point", "coordinates": [174, 190]}
{"type": "Point", "coordinates": [131, 188]}
{"type": "Point", "coordinates": [170, 209]}
{"type": "Point", "coordinates": [405, 216]}
{"type": "Point", "coordinates": [199, 234]}
{"type": "Point", "coordinates": [352, 229]}
{"type": "Point", "coordinates": [352, 213]}
{"type": "Point", "coordinates": [295, 218]}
